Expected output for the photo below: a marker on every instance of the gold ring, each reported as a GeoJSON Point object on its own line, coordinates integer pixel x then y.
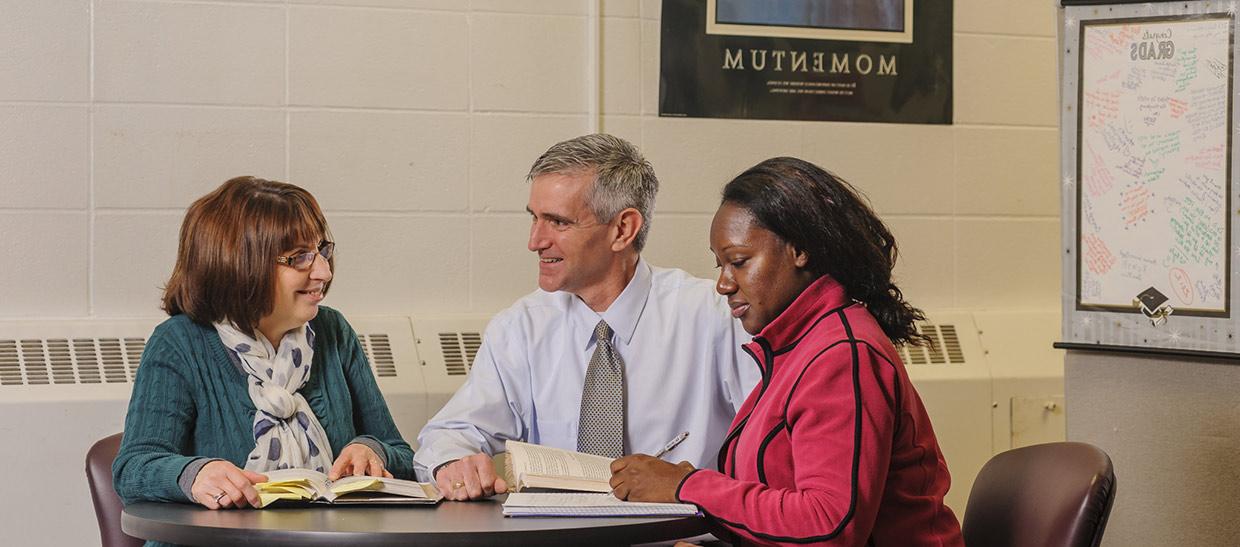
{"type": "Point", "coordinates": [458, 485]}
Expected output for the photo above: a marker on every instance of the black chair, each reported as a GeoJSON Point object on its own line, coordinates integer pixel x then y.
{"type": "Point", "coordinates": [107, 504]}
{"type": "Point", "coordinates": [1054, 494]}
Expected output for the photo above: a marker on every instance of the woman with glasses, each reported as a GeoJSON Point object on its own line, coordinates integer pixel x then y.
{"type": "Point", "coordinates": [250, 374]}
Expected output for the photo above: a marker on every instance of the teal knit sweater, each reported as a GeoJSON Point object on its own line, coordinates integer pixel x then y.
{"type": "Point", "coordinates": [190, 402]}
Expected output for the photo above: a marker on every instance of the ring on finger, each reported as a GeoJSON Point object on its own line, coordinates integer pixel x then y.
{"type": "Point", "coordinates": [458, 485]}
{"type": "Point", "coordinates": [220, 497]}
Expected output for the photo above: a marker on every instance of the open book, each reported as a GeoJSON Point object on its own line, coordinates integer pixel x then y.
{"type": "Point", "coordinates": [534, 467]}
{"type": "Point", "coordinates": [312, 486]}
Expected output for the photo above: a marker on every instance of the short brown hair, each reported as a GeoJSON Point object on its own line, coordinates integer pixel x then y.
{"type": "Point", "coordinates": [230, 238]}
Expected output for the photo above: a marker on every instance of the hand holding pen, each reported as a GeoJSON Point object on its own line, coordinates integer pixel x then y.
{"type": "Point", "coordinates": [648, 478]}
{"type": "Point", "coordinates": [671, 444]}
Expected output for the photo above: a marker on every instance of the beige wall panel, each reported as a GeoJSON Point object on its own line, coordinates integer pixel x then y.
{"type": "Point", "coordinates": [1016, 17]}
{"type": "Point", "coordinates": [452, 5]}
{"type": "Point", "coordinates": [46, 264]}
{"type": "Point", "coordinates": [621, 77]}
{"type": "Point", "coordinates": [695, 157]}
{"type": "Point", "coordinates": [542, 7]}
{"type": "Point", "coordinates": [528, 63]}
{"type": "Point", "coordinates": [651, 9]}
{"type": "Point", "coordinates": [628, 128]}
{"type": "Point", "coordinates": [502, 267]}
{"type": "Point", "coordinates": [166, 157]}
{"type": "Point", "coordinates": [1007, 263]}
{"type": "Point", "coordinates": [1007, 171]}
{"type": "Point", "coordinates": [1005, 80]}
{"type": "Point", "coordinates": [381, 161]}
{"type": "Point", "coordinates": [400, 265]}
{"type": "Point", "coordinates": [682, 241]}
{"type": "Point", "coordinates": [900, 168]}
{"type": "Point", "coordinates": [377, 58]}
{"type": "Point", "coordinates": [134, 255]}
{"type": "Point", "coordinates": [46, 50]}
{"type": "Point", "coordinates": [621, 8]}
{"type": "Point", "coordinates": [44, 156]}
{"type": "Point", "coordinates": [189, 53]}
{"type": "Point", "coordinates": [925, 268]}
{"type": "Point", "coordinates": [502, 150]}
{"type": "Point", "coordinates": [650, 67]}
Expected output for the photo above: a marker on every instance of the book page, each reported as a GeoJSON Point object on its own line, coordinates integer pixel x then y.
{"type": "Point", "coordinates": [292, 484]}
{"type": "Point", "coordinates": [588, 505]}
{"type": "Point", "coordinates": [396, 487]}
{"type": "Point", "coordinates": [571, 499]}
{"type": "Point", "coordinates": [530, 459]}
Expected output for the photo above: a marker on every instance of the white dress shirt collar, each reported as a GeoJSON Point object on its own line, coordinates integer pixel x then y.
{"type": "Point", "coordinates": [623, 314]}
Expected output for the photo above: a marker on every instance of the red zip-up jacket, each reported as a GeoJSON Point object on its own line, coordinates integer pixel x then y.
{"type": "Point", "coordinates": [834, 446]}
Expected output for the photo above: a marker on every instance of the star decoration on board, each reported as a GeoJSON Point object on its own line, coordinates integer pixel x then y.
{"type": "Point", "coordinates": [1067, 181]}
{"type": "Point", "coordinates": [1175, 336]}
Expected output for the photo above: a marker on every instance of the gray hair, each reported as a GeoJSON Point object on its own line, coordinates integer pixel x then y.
{"type": "Point", "coordinates": [622, 177]}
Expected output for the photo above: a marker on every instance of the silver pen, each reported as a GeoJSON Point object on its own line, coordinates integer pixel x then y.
{"type": "Point", "coordinates": [671, 444]}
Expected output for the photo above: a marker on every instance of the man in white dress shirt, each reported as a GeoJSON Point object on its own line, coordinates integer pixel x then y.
{"type": "Point", "coordinates": [673, 336]}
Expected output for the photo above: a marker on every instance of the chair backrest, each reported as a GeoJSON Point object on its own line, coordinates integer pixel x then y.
{"type": "Point", "coordinates": [107, 504]}
{"type": "Point", "coordinates": [1054, 494]}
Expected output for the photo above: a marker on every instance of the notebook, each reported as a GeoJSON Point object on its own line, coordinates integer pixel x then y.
{"type": "Point", "coordinates": [560, 504]}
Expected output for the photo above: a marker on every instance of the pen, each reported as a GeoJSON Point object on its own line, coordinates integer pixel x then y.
{"type": "Point", "coordinates": [671, 444]}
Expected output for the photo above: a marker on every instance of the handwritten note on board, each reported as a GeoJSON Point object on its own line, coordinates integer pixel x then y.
{"type": "Point", "coordinates": [1153, 165]}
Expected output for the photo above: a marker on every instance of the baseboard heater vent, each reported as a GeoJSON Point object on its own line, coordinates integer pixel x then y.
{"type": "Point", "coordinates": [60, 361]}
{"type": "Point", "coordinates": [459, 350]}
{"type": "Point", "coordinates": [944, 347]}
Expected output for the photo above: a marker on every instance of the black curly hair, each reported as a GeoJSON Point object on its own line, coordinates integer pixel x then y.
{"type": "Point", "coordinates": [824, 216]}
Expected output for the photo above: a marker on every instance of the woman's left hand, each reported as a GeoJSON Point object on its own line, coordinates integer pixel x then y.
{"type": "Point", "coordinates": [357, 459]}
{"type": "Point", "coordinates": [645, 478]}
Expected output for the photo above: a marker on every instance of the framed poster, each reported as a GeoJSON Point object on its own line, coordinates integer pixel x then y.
{"type": "Point", "coordinates": [847, 60]}
{"type": "Point", "coordinates": [1149, 185]}
{"type": "Point", "coordinates": [1154, 163]}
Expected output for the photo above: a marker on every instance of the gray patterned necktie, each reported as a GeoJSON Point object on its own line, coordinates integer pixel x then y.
{"type": "Point", "coordinates": [601, 429]}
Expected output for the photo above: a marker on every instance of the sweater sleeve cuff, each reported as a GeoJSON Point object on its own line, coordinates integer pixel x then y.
{"type": "Point", "coordinates": [682, 484]}
{"type": "Point", "coordinates": [373, 444]}
{"type": "Point", "coordinates": [190, 474]}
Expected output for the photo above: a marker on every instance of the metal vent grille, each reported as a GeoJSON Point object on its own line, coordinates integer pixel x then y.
{"type": "Point", "coordinates": [459, 350]}
{"type": "Point", "coordinates": [378, 349]}
{"type": "Point", "coordinates": [115, 360]}
{"type": "Point", "coordinates": [10, 365]}
{"type": "Point", "coordinates": [944, 347]}
{"type": "Point", "coordinates": [133, 354]}
{"type": "Point", "coordinates": [60, 361]}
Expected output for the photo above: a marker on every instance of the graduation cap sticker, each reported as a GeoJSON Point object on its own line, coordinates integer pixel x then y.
{"type": "Point", "coordinates": [1154, 305]}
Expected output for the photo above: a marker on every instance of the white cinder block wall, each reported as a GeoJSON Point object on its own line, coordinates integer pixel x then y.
{"type": "Point", "coordinates": [413, 122]}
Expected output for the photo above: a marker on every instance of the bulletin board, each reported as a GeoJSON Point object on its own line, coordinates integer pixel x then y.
{"type": "Point", "coordinates": [1148, 177]}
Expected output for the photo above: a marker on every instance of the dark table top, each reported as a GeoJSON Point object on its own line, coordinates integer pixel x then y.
{"type": "Point", "coordinates": [449, 523]}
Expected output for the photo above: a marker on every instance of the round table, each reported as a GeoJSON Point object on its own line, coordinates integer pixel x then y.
{"type": "Point", "coordinates": [449, 523]}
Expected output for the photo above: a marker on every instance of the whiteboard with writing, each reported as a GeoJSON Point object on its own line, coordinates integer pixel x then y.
{"type": "Point", "coordinates": [1153, 163]}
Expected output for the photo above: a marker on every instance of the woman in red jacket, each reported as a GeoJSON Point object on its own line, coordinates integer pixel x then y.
{"type": "Point", "coordinates": [834, 446]}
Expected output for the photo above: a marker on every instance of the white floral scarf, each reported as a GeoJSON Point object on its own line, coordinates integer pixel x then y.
{"type": "Point", "coordinates": [287, 434]}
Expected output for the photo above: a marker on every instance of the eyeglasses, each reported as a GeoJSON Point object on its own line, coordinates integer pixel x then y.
{"type": "Point", "coordinates": [302, 261]}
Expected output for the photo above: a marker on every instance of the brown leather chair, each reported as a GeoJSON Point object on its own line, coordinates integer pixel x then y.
{"type": "Point", "coordinates": [1054, 494]}
{"type": "Point", "coordinates": [107, 504]}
